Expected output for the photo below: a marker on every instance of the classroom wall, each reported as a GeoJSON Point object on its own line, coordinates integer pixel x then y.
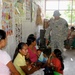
{"type": "Point", "coordinates": [28, 27]}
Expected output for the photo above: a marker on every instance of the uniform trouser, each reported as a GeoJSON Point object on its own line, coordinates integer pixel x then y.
{"type": "Point", "coordinates": [57, 44]}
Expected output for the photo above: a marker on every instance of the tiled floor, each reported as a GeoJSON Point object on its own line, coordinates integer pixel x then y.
{"type": "Point", "coordinates": [69, 62]}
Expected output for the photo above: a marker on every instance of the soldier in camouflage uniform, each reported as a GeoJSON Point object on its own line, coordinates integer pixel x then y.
{"type": "Point", "coordinates": [59, 28]}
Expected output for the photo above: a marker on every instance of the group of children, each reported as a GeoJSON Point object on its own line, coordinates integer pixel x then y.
{"type": "Point", "coordinates": [27, 59]}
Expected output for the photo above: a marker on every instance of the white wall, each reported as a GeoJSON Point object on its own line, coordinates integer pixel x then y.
{"type": "Point", "coordinates": [28, 27]}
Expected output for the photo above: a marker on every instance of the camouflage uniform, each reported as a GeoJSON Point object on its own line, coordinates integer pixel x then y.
{"type": "Point", "coordinates": [59, 33]}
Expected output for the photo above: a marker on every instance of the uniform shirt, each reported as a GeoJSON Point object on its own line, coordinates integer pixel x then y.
{"type": "Point", "coordinates": [4, 60]}
{"type": "Point", "coordinates": [20, 61]}
{"type": "Point", "coordinates": [59, 29]}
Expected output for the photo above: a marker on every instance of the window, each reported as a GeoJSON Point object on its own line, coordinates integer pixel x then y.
{"type": "Point", "coordinates": [66, 8]}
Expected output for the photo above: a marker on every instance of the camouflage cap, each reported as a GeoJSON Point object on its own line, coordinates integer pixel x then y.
{"type": "Point", "coordinates": [56, 13]}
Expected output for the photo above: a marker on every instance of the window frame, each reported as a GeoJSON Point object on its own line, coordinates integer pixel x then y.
{"type": "Point", "coordinates": [72, 9]}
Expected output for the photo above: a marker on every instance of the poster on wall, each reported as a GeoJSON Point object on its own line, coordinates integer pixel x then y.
{"type": "Point", "coordinates": [19, 14]}
{"type": "Point", "coordinates": [18, 30]}
{"type": "Point", "coordinates": [19, 8]}
{"type": "Point", "coordinates": [7, 17]}
{"type": "Point", "coordinates": [28, 10]}
{"type": "Point", "coordinates": [33, 11]}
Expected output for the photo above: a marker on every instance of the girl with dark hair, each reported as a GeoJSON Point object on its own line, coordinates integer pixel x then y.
{"type": "Point", "coordinates": [19, 57]}
{"type": "Point", "coordinates": [31, 41]}
{"type": "Point", "coordinates": [23, 66]}
{"type": "Point", "coordinates": [20, 46]}
{"type": "Point", "coordinates": [58, 53]}
{"type": "Point", "coordinates": [6, 65]}
{"type": "Point", "coordinates": [32, 35]}
{"type": "Point", "coordinates": [56, 61]}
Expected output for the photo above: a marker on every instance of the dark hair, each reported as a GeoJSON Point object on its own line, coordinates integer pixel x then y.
{"type": "Point", "coordinates": [30, 40]}
{"type": "Point", "coordinates": [2, 34]}
{"type": "Point", "coordinates": [47, 51]}
{"type": "Point", "coordinates": [58, 53]}
{"type": "Point", "coordinates": [72, 28]}
{"type": "Point", "coordinates": [20, 46]}
{"type": "Point", "coordinates": [31, 35]}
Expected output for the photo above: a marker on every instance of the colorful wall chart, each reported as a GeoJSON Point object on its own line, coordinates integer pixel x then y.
{"type": "Point", "coordinates": [33, 11]}
{"type": "Point", "coordinates": [7, 17]}
{"type": "Point", "coordinates": [19, 8]}
{"type": "Point", "coordinates": [18, 30]}
{"type": "Point", "coordinates": [28, 10]}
